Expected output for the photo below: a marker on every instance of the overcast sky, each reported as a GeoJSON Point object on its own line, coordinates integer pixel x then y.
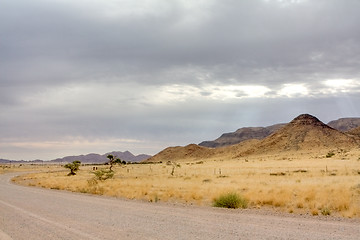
{"type": "Point", "coordinates": [95, 76]}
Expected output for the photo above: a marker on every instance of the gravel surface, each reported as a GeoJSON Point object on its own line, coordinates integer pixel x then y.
{"type": "Point", "coordinates": [34, 213]}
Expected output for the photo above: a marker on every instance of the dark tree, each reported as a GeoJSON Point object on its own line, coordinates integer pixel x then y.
{"type": "Point", "coordinates": [118, 160]}
{"type": "Point", "coordinates": [111, 160]}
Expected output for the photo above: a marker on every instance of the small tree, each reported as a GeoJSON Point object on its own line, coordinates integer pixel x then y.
{"type": "Point", "coordinates": [111, 160]}
{"type": "Point", "coordinates": [118, 160]}
{"type": "Point", "coordinates": [74, 166]}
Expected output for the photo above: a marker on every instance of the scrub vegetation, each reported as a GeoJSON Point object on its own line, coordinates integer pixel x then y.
{"type": "Point", "coordinates": [73, 167]}
{"type": "Point", "coordinates": [311, 184]}
{"type": "Point", "coordinates": [230, 200]}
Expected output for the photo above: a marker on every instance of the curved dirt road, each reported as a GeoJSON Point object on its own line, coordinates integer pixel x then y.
{"type": "Point", "coordinates": [32, 213]}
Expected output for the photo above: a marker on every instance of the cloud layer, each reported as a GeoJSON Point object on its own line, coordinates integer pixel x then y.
{"type": "Point", "coordinates": [95, 76]}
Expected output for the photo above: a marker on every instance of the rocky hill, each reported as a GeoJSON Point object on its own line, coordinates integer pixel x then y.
{"type": "Point", "coordinates": [246, 133]}
{"type": "Point", "coordinates": [307, 133]}
{"type": "Point", "coordinates": [191, 151]}
{"type": "Point", "coordinates": [242, 134]}
{"type": "Point", "coordinates": [304, 133]}
{"type": "Point", "coordinates": [345, 124]}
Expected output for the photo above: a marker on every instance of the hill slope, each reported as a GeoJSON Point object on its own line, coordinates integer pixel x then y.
{"type": "Point", "coordinates": [345, 124]}
{"type": "Point", "coordinates": [242, 134]}
{"type": "Point", "coordinates": [191, 151]}
{"type": "Point", "coordinates": [354, 131]}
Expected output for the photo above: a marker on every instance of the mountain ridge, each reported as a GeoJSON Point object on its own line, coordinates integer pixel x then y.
{"type": "Point", "coordinates": [344, 124]}
{"type": "Point", "coordinates": [97, 158]}
{"type": "Point", "coordinates": [88, 158]}
{"type": "Point", "coordinates": [242, 134]}
{"type": "Point", "coordinates": [246, 133]}
{"type": "Point", "coordinates": [303, 133]}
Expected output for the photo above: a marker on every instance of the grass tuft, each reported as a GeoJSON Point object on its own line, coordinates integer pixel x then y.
{"type": "Point", "coordinates": [230, 200]}
{"type": "Point", "coordinates": [325, 211]}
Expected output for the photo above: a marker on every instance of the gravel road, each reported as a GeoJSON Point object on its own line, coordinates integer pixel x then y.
{"type": "Point", "coordinates": [34, 213]}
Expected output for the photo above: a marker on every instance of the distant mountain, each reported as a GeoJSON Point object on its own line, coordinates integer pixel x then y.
{"type": "Point", "coordinates": [345, 124]}
{"type": "Point", "coordinates": [128, 156]}
{"type": "Point", "coordinates": [97, 158]}
{"type": "Point", "coordinates": [242, 134]}
{"type": "Point", "coordinates": [303, 133]}
{"type": "Point", "coordinates": [4, 161]}
{"type": "Point", "coordinates": [89, 158]}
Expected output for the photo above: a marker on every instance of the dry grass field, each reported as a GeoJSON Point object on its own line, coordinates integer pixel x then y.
{"type": "Point", "coordinates": [16, 167]}
{"type": "Point", "coordinates": [295, 183]}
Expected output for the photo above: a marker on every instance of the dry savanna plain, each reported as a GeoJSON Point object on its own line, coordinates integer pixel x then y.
{"type": "Point", "coordinates": [306, 167]}
{"type": "Point", "coordinates": [294, 182]}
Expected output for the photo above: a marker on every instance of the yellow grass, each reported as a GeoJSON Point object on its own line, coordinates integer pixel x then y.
{"type": "Point", "coordinates": [25, 167]}
{"type": "Point", "coordinates": [308, 183]}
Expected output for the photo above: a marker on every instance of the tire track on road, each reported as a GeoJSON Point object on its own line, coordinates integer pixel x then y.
{"type": "Point", "coordinates": [45, 220]}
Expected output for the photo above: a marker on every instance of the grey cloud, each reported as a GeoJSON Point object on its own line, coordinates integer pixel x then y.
{"type": "Point", "coordinates": [240, 36]}
{"type": "Point", "coordinates": [54, 45]}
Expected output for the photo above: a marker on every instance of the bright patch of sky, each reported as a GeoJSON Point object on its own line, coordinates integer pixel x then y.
{"type": "Point", "coordinates": [293, 90]}
{"type": "Point", "coordinates": [342, 85]}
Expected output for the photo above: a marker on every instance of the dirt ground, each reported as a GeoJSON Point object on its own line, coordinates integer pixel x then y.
{"type": "Point", "coordinates": [36, 213]}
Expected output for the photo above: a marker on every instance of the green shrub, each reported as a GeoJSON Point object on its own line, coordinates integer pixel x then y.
{"type": "Point", "coordinates": [230, 200]}
{"type": "Point", "coordinates": [103, 174]}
